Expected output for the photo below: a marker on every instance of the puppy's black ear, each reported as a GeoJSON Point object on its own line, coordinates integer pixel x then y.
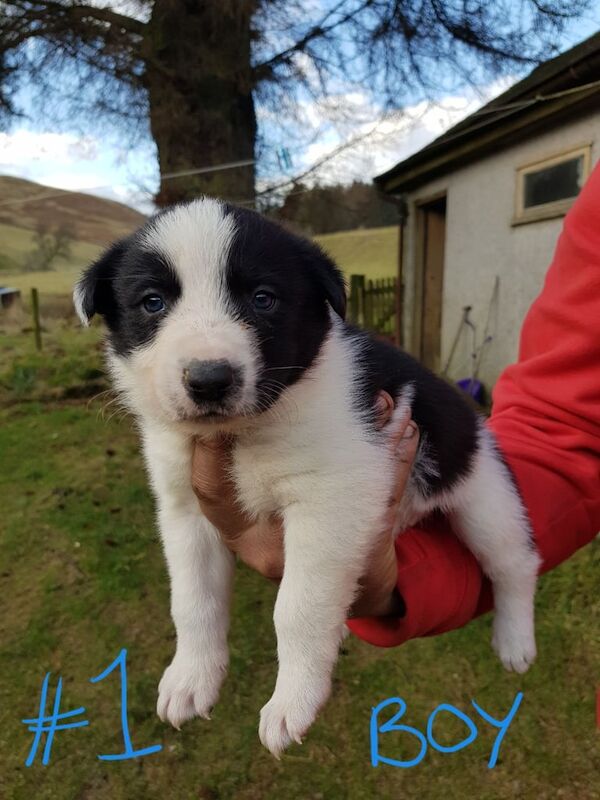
{"type": "Point", "coordinates": [332, 282]}
{"type": "Point", "coordinates": [93, 292]}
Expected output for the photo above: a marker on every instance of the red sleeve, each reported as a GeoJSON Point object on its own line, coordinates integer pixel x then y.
{"type": "Point", "coordinates": [546, 418]}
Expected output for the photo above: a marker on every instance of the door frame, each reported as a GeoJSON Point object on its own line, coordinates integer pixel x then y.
{"type": "Point", "coordinates": [420, 209]}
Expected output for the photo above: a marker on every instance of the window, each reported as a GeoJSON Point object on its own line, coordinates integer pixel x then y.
{"type": "Point", "coordinates": [547, 188]}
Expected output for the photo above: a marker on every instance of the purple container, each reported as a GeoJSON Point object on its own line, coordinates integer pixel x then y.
{"type": "Point", "coordinates": [472, 387]}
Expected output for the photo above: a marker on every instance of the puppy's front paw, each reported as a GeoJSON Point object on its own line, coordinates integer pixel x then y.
{"type": "Point", "coordinates": [289, 714]}
{"type": "Point", "coordinates": [189, 688]}
{"type": "Point", "coordinates": [514, 643]}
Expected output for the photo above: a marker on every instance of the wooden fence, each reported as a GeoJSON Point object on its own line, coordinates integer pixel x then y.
{"type": "Point", "coordinates": [374, 305]}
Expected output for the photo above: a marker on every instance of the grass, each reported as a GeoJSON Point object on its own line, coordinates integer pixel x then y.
{"type": "Point", "coordinates": [372, 252]}
{"type": "Point", "coordinates": [68, 367]}
{"type": "Point", "coordinates": [82, 576]}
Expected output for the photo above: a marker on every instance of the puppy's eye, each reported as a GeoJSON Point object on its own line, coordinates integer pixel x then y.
{"type": "Point", "coordinates": [263, 300]}
{"type": "Point", "coordinates": [153, 303]}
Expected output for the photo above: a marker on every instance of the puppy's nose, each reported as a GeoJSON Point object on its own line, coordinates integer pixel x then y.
{"type": "Point", "coordinates": [210, 381]}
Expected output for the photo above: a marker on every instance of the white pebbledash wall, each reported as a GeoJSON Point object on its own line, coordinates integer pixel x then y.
{"type": "Point", "coordinates": [481, 243]}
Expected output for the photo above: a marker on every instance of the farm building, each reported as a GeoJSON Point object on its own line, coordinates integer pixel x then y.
{"type": "Point", "coordinates": [486, 200]}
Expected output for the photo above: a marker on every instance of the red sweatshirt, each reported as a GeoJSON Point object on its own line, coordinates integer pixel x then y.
{"type": "Point", "coordinates": [546, 418]}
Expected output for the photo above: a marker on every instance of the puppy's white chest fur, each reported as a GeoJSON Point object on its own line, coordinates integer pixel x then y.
{"type": "Point", "coordinates": [313, 443]}
{"type": "Point", "coordinates": [281, 465]}
{"type": "Point", "coordinates": [267, 475]}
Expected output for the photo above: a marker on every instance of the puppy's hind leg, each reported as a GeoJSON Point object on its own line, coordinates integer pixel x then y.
{"type": "Point", "coordinates": [490, 519]}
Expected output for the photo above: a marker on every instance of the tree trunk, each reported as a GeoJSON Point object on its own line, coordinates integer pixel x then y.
{"type": "Point", "coordinates": [199, 82]}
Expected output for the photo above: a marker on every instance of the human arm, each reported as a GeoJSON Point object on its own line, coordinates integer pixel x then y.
{"type": "Point", "coordinates": [546, 419]}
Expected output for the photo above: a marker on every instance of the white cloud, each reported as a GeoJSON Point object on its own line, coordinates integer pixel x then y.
{"type": "Point", "coordinates": [75, 163]}
{"type": "Point", "coordinates": [71, 182]}
{"type": "Point", "coordinates": [84, 149]}
{"type": "Point", "coordinates": [362, 143]}
{"type": "Point", "coordinates": [23, 147]}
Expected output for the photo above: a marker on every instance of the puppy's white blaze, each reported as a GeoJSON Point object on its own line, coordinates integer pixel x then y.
{"type": "Point", "coordinates": [196, 239]}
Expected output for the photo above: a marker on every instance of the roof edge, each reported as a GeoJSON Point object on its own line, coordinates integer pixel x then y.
{"type": "Point", "coordinates": [490, 124]}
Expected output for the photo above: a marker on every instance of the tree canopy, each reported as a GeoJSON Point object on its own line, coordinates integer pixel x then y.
{"type": "Point", "coordinates": [193, 74]}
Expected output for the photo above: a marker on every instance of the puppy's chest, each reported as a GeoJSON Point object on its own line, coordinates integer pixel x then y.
{"type": "Point", "coordinates": [271, 474]}
{"type": "Point", "coordinates": [307, 464]}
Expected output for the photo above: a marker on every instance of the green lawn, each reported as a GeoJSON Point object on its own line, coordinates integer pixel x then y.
{"type": "Point", "coordinates": [82, 576]}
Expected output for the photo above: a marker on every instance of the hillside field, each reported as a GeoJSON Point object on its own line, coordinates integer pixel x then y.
{"type": "Point", "coordinates": [97, 222]}
{"type": "Point", "coordinates": [24, 204]}
{"type": "Point", "coordinates": [370, 252]}
{"type": "Point", "coordinates": [94, 222]}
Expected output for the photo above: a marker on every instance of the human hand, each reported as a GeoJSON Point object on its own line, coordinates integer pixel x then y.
{"type": "Point", "coordinates": [260, 544]}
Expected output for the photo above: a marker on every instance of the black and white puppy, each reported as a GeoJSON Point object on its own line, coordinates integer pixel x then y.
{"type": "Point", "coordinates": [220, 320]}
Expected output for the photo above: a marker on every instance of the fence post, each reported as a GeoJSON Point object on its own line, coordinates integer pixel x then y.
{"type": "Point", "coordinates": [368, 311]}
{"type": "Point", "coordinates": [357, 296]}
{"type": "Point", "coordinates": [35, 310]}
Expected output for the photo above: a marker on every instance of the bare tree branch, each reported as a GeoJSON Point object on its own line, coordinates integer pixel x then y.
{"type": "Point", "coordinates": [193, 73]}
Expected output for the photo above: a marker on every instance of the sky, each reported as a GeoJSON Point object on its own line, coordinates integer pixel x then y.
{"type": "Point", "coordinates": [104, 166]}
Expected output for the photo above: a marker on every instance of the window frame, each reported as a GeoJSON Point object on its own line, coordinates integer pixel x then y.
{"type": "Point", "coordinates": [556, 208]}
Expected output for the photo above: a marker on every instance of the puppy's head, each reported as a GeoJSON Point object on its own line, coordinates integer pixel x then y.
{"type": "Point", "coordinates": [212, 311]}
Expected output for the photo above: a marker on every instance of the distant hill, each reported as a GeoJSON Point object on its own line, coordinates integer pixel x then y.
{"type": "Point", "coordinates": [97, 222]}
{"type": "Point", "coordinates": [94, 220]}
